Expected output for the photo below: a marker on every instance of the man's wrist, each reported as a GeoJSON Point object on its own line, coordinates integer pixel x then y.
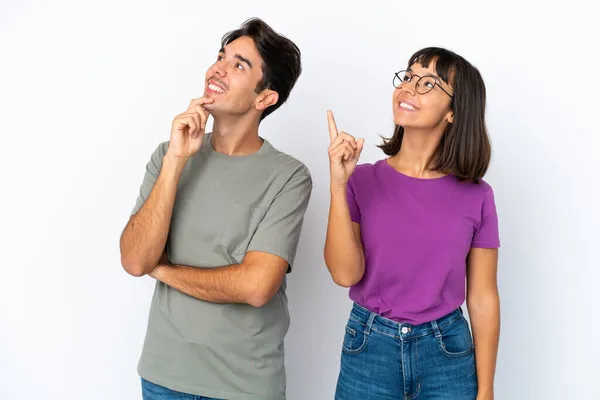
{"type": "Point", "coordinates": [174, 160]}
{"type": "Point", "coordinates": [156, 273]}
{"type": "Point", "coordinates": [173, 166]}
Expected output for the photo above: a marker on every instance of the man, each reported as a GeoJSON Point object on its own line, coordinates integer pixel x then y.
{"type": "Point", "coordinates": [217, 224]}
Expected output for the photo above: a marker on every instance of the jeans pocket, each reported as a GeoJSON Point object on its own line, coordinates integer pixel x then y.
{"type": "Point", "coordinates": [456, 339]}
{"type": "Point", "coordinates": [355, 339]}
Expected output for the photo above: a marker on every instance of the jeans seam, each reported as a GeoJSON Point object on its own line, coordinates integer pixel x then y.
{"type": "Point", "coordinates": [461, 353]}
{"type": "Point", "coordinates": [386, 334]}
{"type": "Point", "coordinates": [357, 321]}
{"type": "Point", "coordinates": [416, 372]}
{"type": "Point", "coordinates": [403, 369]}
{"type": "Point", "coordinates": [356, 351]}
{"type": "Point", "coordinates": [424, 333]}
{"type": "Point", "coordinates": [397, 322]}
{"type": "Point", "coordinates": [360, 348]}
{"type": "Point", "coordinates": [455, 355]}
{"type": "Point", "coordinates": [416, 393]}
{"type": "Point", "coordinates": [451, 321]}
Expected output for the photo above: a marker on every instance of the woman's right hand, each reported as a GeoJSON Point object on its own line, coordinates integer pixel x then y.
{"type": "Point", "coordinates": [343, 151]}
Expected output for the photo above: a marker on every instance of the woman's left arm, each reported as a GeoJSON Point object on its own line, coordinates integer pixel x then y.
{"type": "Point", "coordinates": [483, 303]}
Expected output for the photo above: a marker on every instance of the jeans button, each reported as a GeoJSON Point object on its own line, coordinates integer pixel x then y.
{"type": "Point", "coordinates": [404, 330]}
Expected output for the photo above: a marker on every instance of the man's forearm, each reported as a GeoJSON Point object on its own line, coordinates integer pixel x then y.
{"type": "Point", "coordinates": [227, 284]}
{"type": "Point", "coordinates": [145, 236]}
{"type": "Point", "coordinates": [485, 321]}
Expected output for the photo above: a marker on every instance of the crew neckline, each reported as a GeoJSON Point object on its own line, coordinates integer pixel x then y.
{"type": "Point", "coordinates": [211, 149]}
{"type": "Point", "coordinates": [412, 178]}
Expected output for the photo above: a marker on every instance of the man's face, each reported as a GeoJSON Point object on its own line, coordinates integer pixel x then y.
{"type": "Point", "coordinates": [231, 81]}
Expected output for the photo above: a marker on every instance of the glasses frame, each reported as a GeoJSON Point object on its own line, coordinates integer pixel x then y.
{"type": "Point", "coordinates": [396, 75]}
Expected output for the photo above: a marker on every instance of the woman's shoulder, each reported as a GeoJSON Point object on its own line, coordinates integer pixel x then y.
{"type": "Point", "coordinates": [477, 190]}
{"type": "Point", "coordinates": [364, 173]}
{"type": "Point", "coordinates": [368, 168]}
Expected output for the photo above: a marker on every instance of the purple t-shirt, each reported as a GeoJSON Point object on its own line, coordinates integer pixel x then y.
{"type": "Point", "coordinates": [417, 234]}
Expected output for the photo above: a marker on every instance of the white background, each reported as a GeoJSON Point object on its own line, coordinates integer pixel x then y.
{"type": "Point", "coordinates": [88, 89]}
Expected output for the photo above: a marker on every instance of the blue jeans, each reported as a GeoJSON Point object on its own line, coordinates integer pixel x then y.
{"type": "Point", "coordinates": [384, 360]}
{"type": "Point", "coordinates": [151, 391]}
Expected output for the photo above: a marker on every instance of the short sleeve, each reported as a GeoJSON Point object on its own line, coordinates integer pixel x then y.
{"type": "Point", "coordinates": [486, 235]}
{"type": "Point", "coordinates": [279, 231]}
{"type": "Point", "coordinates": [351, 197]}
{"type": "Point", "coordinates": [152, 170]}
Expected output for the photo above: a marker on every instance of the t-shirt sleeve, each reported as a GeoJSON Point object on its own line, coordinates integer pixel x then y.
{"type": "Point", "coordinates": [486, 235]}
{"type": "Point", "coordinates": [152, 170]}
{"type": "Point", "coordinates": [351, 196]}
{"type": "Point", "coordinates": [279, 231]}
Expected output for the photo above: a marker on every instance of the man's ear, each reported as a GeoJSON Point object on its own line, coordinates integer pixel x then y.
{"type": "Point", "coordinates": [266, 99]}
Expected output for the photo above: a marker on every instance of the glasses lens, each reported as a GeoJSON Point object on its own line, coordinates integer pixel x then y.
{"type": "Point", "coordinates": [425, 85]}
{"type": "Point", "coordinates": [399, 78]}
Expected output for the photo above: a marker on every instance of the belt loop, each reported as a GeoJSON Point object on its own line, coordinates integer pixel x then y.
{"type": "Point", "coordinates": [436, 329]}
{"type": "Point", "coordinates": [461, 310]}
{"type": "Point", "coordinates": [370, 323]}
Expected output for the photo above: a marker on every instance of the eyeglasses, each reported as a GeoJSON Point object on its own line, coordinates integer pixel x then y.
{"type": "Point", "coordinates": [424, 85]}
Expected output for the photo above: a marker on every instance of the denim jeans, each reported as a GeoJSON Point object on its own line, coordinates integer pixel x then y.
{"type": "Point", "coordinates": [386, 360]}
{"type": "Point", "coordinates": [151, 391]}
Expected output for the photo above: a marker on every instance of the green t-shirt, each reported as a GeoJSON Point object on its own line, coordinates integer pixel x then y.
{"type": "Point", "coordinates": [224, 207]}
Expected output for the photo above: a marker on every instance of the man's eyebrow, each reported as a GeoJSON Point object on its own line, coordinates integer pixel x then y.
{"type": "Point", "coordinates": [239, 57]}
{"type": "Point", "coordinates": [243, 59]}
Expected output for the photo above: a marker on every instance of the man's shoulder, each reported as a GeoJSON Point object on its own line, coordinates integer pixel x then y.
{"type": "Point", "coordinates": [158, 152]}
{"type": "Point", "coordinates": [287, 164]}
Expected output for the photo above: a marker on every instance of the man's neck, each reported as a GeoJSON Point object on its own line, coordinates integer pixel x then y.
{"type": "Point", "coordinates": [236, 137]}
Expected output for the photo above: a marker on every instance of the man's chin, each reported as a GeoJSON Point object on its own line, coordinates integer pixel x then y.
{"type": "Point", "coordinates": [209, 107]}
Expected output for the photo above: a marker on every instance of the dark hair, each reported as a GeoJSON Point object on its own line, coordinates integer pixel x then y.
{"type": "Point", "coordinates": [465, 149]}
{"type": "Point", "coordinates": [281, 59]}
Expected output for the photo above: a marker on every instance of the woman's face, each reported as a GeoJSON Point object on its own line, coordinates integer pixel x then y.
{"type": "Point", "coordinates": [422, 100]}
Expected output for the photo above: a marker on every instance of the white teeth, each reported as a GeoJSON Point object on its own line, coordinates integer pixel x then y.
{"type": "Point", "coordinates": [215, 88]}
{"type": "Point", "coordinates": [408, 106]}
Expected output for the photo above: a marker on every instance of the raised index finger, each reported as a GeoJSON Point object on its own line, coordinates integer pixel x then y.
{"type": "Point", "coordinates": [333, 132]}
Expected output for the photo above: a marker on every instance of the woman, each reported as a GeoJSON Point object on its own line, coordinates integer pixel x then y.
{"type": "Point", "coordinates": [406, 232]}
